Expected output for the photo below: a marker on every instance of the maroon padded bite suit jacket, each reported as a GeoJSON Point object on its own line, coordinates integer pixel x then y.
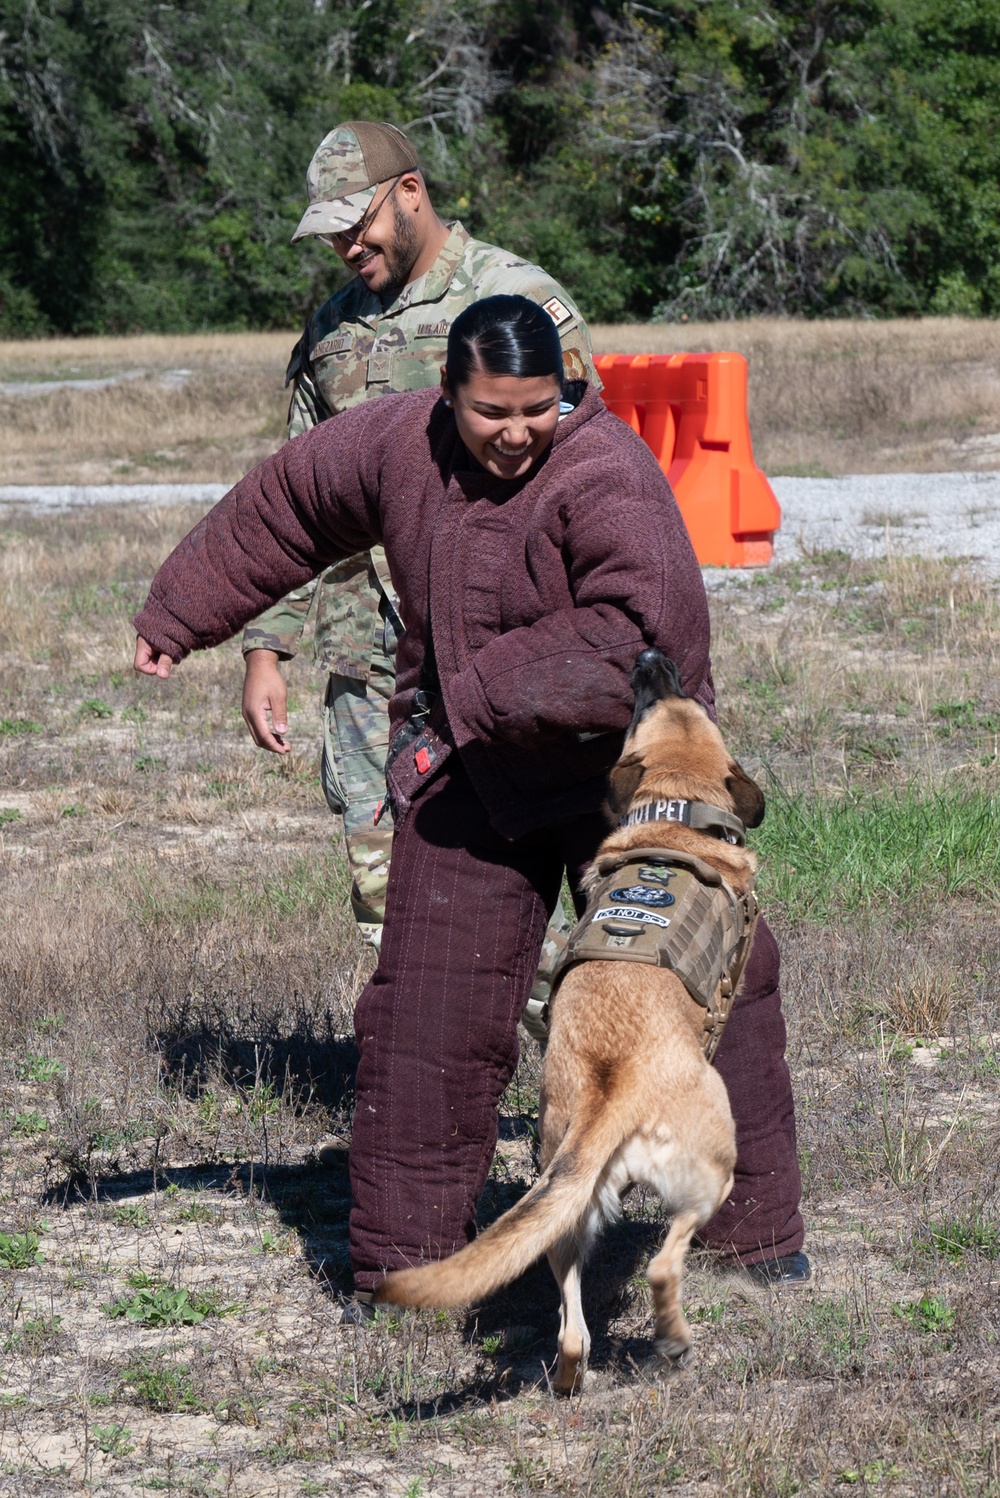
{"type": "Point", "coordinates": [538, 594]}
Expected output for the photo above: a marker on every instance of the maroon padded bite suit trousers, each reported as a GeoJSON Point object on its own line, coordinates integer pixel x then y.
{"type": "Point", "coordinates": [437, 1032]}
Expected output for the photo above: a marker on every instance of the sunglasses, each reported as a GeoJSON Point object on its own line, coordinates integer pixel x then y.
{"type": "Point", "coordinates": [343, 241]}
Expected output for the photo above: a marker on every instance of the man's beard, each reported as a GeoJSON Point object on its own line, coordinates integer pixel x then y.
{"type": "Point", "coordinates": [400, 254]}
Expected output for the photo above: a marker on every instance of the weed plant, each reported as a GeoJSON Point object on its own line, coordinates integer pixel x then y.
{"type": "Point", "coordinates": [167, 1306]}
{"type": "Point", "coordinates": [19, 1250]}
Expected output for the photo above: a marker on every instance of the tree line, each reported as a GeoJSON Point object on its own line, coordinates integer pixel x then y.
{"type": "Point", "coordinates": [667, 159]}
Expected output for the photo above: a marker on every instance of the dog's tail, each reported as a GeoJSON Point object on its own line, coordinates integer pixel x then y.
{"type": "Point", "coordinates": [554, 1208]}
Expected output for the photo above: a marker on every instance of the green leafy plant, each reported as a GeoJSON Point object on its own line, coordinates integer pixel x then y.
{"type": "Point", "coordinates": [929, 1314]}
{"type": "Point", "coordinates": [9, 814]}
{"type": "Point", "coordinates": [960, 1237]}
{"type": "Point", "coordinates": [272, 1242]}
{"type": "Point", "coordinates": [113, 1440]}
{"type": "Point", "coordinates": [239, 1409]}
{"type": "Point", "coordinates": [167, 1306]}
{"type": "Point", "coordinates": [30, 1123]}
{"type": "Point", "coordinates": [113, 1138]}
{"type": "Point", "coordinates": [36, 1336]}
{"type": "Point", "coordinates": [196, 1211]}
{"type": "Point", "coordinates": [131, 1215]}
{"type": "Point", "coordinates": [41, 1069]}
{"type": "Point", "coordinates": [264, 1102]}
{"type": "Point", "coordinates": [20, 1250]}
{"type": "Point", "coordinates": [147, 764]}
{"type": "Point", "coordinates": [16, 727]}
{"type": "Point", "coordinates": [712, 1313]}
{"type": "Point", "coordinates": [97, 707]}
{"type": "Point", "coordinates": [140, 1280]}
{"type": "Point", "coordinates": [209, 1108]}
{"type": "Point", "coordinates": [873, 1473]}
{"type": "Point", "coordinates": [157, 1385]}
{"type": "Point", "coordinates": [955, 714]}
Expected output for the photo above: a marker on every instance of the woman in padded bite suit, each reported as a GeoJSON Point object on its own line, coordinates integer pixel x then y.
{"type": "Point", "coordinates": [536, 549]}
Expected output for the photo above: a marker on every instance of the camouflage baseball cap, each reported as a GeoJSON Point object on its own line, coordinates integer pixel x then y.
{"type": "Point", "coordinates": [348, 165]}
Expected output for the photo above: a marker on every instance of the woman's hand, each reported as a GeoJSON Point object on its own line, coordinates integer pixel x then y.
{"type": "Point", "coordinates": [265, 701]}
{"type": "Point", "coordinates": [149, 661]}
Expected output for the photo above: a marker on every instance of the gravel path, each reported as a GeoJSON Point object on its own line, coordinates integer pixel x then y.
{"type": "Point", "coordinates": [168, 379]}
{"type": "Point", "coordinates": [58, 498]}
{"type": "Point", "coordinates": [930, 514]}
{"type": "Point", "coordinates": [953, 514]}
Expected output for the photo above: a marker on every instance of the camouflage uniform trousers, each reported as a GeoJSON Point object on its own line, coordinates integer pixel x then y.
{"type": "Point", "coordinates": [352, 772]}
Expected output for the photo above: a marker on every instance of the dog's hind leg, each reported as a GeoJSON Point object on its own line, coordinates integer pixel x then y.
{"type": "Point", "coordinates": [673, 1335]}
{"type": "Point", "coordinates": [566, 1260]}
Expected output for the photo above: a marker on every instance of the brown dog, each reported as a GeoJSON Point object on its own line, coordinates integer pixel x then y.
{"type": "Point", "coordinates": [627, 1093]}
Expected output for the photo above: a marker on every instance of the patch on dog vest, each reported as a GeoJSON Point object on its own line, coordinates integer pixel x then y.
{"type": "Point", "coordinates": [640, 895]}
{"type": "Point", "coordinates": [705, 938]}
{"type": "Point", "coordinates": [626, 913]}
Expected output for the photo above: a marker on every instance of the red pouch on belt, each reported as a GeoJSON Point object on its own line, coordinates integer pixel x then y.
{"type": "Point", "coordinates": [413, 766]}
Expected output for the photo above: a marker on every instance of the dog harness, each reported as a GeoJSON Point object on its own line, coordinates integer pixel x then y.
{"type": "Point", "coordinates": [670, 909]}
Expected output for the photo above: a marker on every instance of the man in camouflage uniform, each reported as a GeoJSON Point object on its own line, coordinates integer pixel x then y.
{"type": "Point", "coordinates": [386, 331]}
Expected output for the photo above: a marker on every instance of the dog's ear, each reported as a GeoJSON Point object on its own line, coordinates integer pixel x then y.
{"type": "Point", "coordinates": [623, 782]}
{"type": "Point", "coordinates": [748, 798]}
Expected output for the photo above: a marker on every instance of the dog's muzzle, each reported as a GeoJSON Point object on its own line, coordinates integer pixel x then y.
{"type": "Point", "coordinates": [669, 909]}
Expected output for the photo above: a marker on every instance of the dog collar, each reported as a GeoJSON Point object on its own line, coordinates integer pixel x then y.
{"type": "Point", "coordinates": [699, 815]}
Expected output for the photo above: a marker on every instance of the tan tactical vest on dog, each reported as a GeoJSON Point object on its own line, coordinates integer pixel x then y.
{"type": "Point", "coordinates": [669, 909]}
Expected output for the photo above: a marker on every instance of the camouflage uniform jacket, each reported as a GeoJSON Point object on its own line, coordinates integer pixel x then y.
{"type": "Point", "coordinates": [354, 349]}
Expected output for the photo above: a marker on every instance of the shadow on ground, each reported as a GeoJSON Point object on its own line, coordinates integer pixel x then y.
{"type": "Point", "coordinates": [517, 1328]}
{"type": "Point", "coordinates": [321, 1065]}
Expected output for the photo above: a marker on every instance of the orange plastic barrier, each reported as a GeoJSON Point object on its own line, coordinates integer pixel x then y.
{"type": "Point", "coordinates": [691, 410]}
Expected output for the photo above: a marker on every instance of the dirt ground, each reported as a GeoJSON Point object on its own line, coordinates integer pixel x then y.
{"type": "Point", "coordinates": [177, 976]}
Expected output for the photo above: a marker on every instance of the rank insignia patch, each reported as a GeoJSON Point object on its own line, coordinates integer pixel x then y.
{"type": "Point", "coordinates": [379, 367]}
{"type": "Point", "coordinates": [557, 310]}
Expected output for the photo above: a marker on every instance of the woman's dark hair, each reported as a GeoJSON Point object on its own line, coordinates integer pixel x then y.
{"type": "Point", "coordinates": [503, 335]}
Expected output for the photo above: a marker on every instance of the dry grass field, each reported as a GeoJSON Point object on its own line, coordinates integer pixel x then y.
{"type": "Point", "coordinates": [178, 970]}
{"type": "Point", "coordinates": [825, 398]}
{"type": "Point", "coordinates": [176, 983]}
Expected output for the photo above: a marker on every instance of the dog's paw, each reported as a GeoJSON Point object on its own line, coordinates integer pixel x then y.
{"type": "Point", "coordinates": [673, 1351]}
{"type": "Point", "coordinates": [569, 1377]}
